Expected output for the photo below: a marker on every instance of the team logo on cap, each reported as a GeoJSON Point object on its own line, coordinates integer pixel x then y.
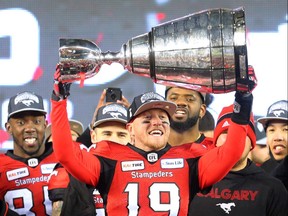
{"type": "Point", "coordinates": [280, 105]}
{"type": "Point", "coordinates": [114, 110]}
{"type": "Point", "coordinates": [278, 109]}
{"type": "Point", "coordinates": [26, 98]}
{"type": "Point", "coordinates": [278, 113]}
{"type": "Point", "coordinates": [150, 96]}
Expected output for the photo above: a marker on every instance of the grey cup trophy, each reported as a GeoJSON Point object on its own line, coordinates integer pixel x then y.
{"type": "Point", "coordinates": [204, 51]}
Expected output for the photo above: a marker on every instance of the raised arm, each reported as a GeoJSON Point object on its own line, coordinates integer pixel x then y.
{"type": "Point", "coordinates": [81, 164]}
{"type": "Point", "coordinates": [214, 165]}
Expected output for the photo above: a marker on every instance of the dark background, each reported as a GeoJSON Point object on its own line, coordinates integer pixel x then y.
{"type": "Point", "coordinates": [110, 23]}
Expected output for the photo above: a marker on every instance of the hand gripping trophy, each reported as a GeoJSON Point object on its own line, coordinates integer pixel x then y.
{"type": "Point", "coordinates": [204, 51]}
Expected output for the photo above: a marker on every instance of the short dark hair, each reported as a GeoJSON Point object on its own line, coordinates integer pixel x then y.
{"type": "Point", "coordinates": [207, 122]}
{"type": "Point", "coordinates": [209, 98]}
{"type": "Point", "coordinates": [202, 95]}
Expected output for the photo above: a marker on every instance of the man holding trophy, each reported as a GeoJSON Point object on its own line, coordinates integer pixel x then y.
{"type": "Point", "coordinates": [148, 176]}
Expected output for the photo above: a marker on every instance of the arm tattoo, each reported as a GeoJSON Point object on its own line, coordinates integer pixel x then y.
{"type": "Point", "coordinates": [57, 207]}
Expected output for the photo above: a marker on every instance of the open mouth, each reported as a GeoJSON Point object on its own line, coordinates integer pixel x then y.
{"type": "Point", "coordinates": [156, 133]}
{"type": "Point", "coordinates": [30, 140]}
{"type": "Point", "coordinates": [278, 149]}
{"type": "Point", "coordinates": [180, 112]}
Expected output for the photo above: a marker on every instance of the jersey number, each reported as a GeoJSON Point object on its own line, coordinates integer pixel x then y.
{"type": "Point", "coordinates": [155, 191]}
{"type": "Point", "coordinates": [27, 198]}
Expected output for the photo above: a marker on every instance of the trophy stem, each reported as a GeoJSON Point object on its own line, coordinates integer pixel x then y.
{"type": "Point", "coordinates": [110, 57]}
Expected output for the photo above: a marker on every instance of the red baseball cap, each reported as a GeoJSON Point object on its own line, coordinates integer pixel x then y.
{"type": "Point", "coordinates": [224, 121]}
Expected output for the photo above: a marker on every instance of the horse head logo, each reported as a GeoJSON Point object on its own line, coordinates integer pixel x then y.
{"type": "Point", "coordinates": [278, 113]}
{"type": "Point", "coordinates": [226, 206]}
{"type": "Point", "coordinates": [28, 102]}
{"type": "Point", "coordinates": [115, 114]}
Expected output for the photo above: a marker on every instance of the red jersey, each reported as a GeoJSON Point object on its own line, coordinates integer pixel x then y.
{"type": "Point", "coordinates": [208, 142]}
{"type": "Point", "coordinates": [24, 182]}
{"type": "Point", "coordinates": [134, 182]}
{"type": "Point", "coordinates": [57, 183]}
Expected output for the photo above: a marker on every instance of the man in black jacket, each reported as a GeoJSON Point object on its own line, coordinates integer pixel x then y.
{"type": "Point", "coordinates": [246, 189]}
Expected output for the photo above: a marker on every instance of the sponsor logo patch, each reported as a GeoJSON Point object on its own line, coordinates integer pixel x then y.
{"type": "Point", "coordinates": [17, 173]}
{"type": "Point", "coordinates": [172, 163]}
{"type": "Point", "coordinates": [132, 165]}
{"type": "Point", "coordinates": [47, 168]}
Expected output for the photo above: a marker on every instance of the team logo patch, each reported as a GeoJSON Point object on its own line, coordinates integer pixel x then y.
{"type": "Point", "coordinates": [226, 206]}
{"type": "Point", "coordinates": [26, 98]}
{"type": "Point", "coordinates": [33, 162]}
{"type": "Point", "coordinates": [278, 113]}
{"type": "Point", "coordinates": [152, 157]}
{"type": "Point", "coordinates": [114, 110]}
{"type": "Point", "coordinates": [150, 96]}
{"type": "Point", "coordinates": [17, 173]}
{"type": "Point", "coordinates": [172, 163]}
{"type": "Point", "coordinates": [47, 168]}
{"type": "Point", "coordinates": [132, 165]}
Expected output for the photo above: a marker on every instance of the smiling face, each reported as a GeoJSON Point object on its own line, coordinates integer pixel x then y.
{"type": "Point", "coordinates": [28, 132]}
{"type": "Point", "coordinates": [150, 130]}
{"type": "Point", "coordinates": [277, 137]}
{"type": "Point", "coordinates": [189, 108]}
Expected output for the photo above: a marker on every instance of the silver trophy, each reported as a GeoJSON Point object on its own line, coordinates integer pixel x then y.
{"type": "Point", "coordinates": [204, 51]}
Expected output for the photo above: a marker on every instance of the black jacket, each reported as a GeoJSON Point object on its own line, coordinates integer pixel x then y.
{"type": "Point", "coordinates": [281, 172]}
{"type": "Point", "coordinates": [269, 165]}
{"type": "Point", "coordinates": [249, 192]}
{"type": "Point", "coordinates": [5, 211]}
{"type": "Point", "coordinates": [77, 198]}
